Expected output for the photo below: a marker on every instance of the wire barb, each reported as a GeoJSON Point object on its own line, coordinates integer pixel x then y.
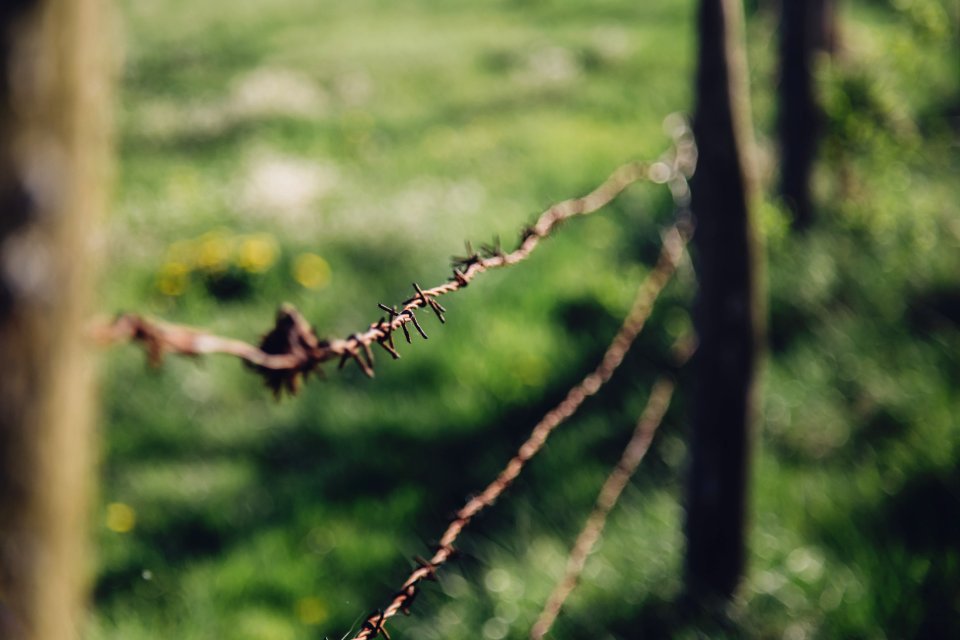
{"type": "Point", "coordinates": [413, 318]}
{"type": "Point", "coordinates": [367, 354]}
{"type": "Point", "coordinates": [386, 341]}
{"type": "Point", "coordinates": [430, 302]}
{"type": "Point", "coordinates": [466, 261]}
{"type": "Point", "coordinates": [492, 250]}
{"type": "Point", "coordinates": [459, 278]}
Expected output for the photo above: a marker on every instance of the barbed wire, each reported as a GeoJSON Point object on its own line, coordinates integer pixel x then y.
{"type": "Point", "coordinates": [653, 413]}
{"type": "Point", "coordinates": [673, 169]}
{"type": "Point", "coordinates": [291, 350]}
{"type": "Point", "coordinates": [674, 241]}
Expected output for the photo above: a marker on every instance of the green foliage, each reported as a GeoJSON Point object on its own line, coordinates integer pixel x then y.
{"type": "Point", "coordinates": [328, 154]}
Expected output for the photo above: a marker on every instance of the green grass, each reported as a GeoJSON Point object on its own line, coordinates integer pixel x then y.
{"type": "Point", "coordinates": [379, 136]}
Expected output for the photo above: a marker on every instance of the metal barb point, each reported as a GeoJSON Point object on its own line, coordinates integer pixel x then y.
{"type": "Point", "coordinates": [386, 341]}
{"type": "Point", "coordinates": [528, 232]}
{"type": "Point", "coordinates": [396, 314]}
{"type": "Point", "coordinates": [435, 306]}
{"type": "Point", "coordinates": [492, 250]}
{"type": "Point", "coordinates": [416, 324]}
{"type": "Point", "coordinates": [409, 594]}
{"type": "Point", "coordinates": [375, 627]}
{"type": "Point", "coordinates": [470, 259]}
{"type": "Point", "coordinates": [367, 352]}
{"type": "Point", "coordinates": [365, 367]}
{"type": "Point", "coordinates": [459, 278]}
{"type": "Point", "coordinates": [391, 310]}
{"type": "Point", "coordinates": [429, 567]}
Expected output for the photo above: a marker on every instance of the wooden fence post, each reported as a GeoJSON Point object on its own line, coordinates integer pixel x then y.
{"type": "Point", "coordinates": [727, 312]}
{"type": "Point", "coordinates": [53, 88]}
{"type": "Point", "coordinates": [806, 26]}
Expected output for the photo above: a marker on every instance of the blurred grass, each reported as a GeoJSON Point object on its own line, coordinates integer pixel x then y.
{"type": "Point", "coordinates": [363, 142]}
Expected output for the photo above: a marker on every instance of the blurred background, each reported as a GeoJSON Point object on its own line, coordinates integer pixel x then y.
{"type": "Point", "coordinates": [327, 154]}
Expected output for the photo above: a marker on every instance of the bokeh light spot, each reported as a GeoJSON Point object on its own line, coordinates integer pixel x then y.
{"type": "Point", "coordinates": [173, 279]}
{"type": "Point", "coordinates": [311, 610]}
{"type": "Point", "coordinates": [497, 580]}
{"type": "Point", "coordinates": [121, 518]}
{"type": "Point", "coordinates": [213, 253]}
{"type": "Point", "coordinates": [495, 629]}
{"type": "Point", "coordinates": [257, 253]}
{"type": "Point", "coordinates": [311, 271]}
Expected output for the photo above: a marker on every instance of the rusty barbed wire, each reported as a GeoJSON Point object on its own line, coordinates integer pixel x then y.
{"type": "Point", "coordinates": [607, 498]}
{"type": "Point", "coordinates": [674, 241]}
{"type": "Point", "coordinates": [633, 454]}
{"type": "Point", "coordinates": [291, 350]}
{"type": "Point", "coordinates": [673, 169]}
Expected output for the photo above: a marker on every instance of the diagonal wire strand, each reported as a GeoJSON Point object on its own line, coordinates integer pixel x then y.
{"type": "Point", "coordinates": [673, 170]}
{"type": "Point", "coordinates": [161, 337]}
{"type": "Point", "coordinates": [292, 350]}
{"type": "Point", "coordinates": [674, 241]}
{"type": "Point", "coordinates": [633, 454]}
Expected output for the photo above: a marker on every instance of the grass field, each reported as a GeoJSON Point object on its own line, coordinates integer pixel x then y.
{"type": "Point", "coordinates": [329, 154]}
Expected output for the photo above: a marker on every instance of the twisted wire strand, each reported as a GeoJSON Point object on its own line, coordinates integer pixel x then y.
{"type": "Point", "coordinates": [674, 241]}
{"type": "Point", "coordinates": [616, 482]}
{"type": "Point", "coordinates": [291, 350]}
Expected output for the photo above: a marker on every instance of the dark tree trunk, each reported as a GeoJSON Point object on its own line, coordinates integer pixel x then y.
{"type": "Point", "coordinates": [727, 310]}
{"type": "Point", "coordinates": [806, 26]}
{"type": "Point", "coordinates": [51, 112]}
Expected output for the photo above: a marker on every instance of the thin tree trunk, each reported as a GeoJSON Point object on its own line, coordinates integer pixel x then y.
{"type": "Point", "coordinates": [806, 26]}
{"type": "Point", "coordinates": [727, 313]}
{"type": "Point", "coordinates": [52, 98]}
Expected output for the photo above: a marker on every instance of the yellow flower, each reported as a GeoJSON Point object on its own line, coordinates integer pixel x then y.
{"type": "Point", "coordinates": [121, 518]}
{"type": "Point", "coordinates": [213, 253]}
{"type": "Point", "coordinates": [311, 271]}
{"type": "Point", "coordinates": [257, 253]}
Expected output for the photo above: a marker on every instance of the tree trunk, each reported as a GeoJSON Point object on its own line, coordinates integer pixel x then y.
{"type": "Point", "coordinates": [806, 26]}
{"type": "Point", "coordinates": [727, 312]}
{"type": "Point", "coordinates": [52, 99]}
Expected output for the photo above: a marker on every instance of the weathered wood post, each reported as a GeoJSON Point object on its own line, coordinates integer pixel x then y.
{"type": "Point", "coordinates": [727, 312]}
{"type": "Point", "coordinates": [52, 142]}
{"type": "Point", "coordinates": [806, 27]}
